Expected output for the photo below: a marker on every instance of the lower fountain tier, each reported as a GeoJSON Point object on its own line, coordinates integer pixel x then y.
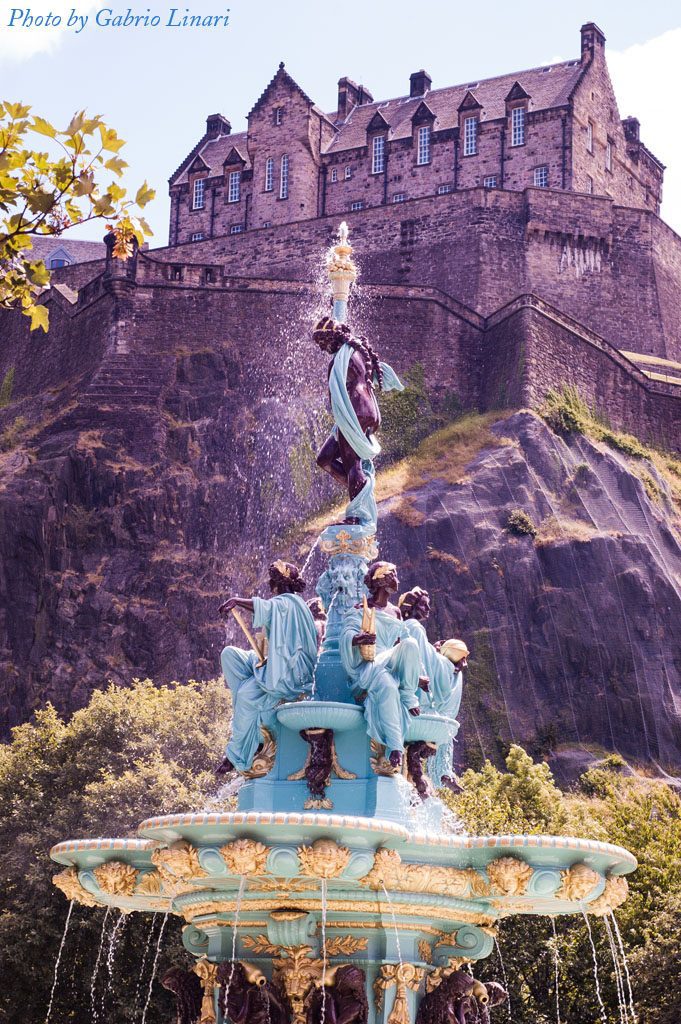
{"type": "Point", "coordinates": [438, 896]}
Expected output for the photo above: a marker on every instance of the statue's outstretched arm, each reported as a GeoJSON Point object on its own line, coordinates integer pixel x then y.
{"type": "Point", "coordinates": [236, 602]}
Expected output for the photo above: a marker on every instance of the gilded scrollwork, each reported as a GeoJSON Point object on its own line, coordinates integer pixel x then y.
{"type": "Point", "coordinates": [437, 976]}
{"type": "Point", "coordinates": [325, 858]}
{"type": "Point", "coordinates": [69, 883]}
{"type": "Point", "coordinates": [613, 896]}
{"type": "Point", "coordinates": [577, 882]}
{"type": "Point", "coordinates": [425, 951]}
{"type": "Point", "coordinates": [263, 762]}
{"type": "Point", "coordinates": [380, 764]}
{"type": "Point", "coordinates": [116, 878]}
{"type": "Point", "coordinates": [388, 870]}
{"type": "Point", "coordinates": [245, 857]}
{"type": "Point", "coordinates": [509, 876]}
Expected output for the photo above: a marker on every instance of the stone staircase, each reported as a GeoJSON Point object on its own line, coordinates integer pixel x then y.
{"type": "Point", "coordinates": [129, 380]}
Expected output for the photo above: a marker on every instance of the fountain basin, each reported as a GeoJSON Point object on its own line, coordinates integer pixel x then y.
{"type": "Point", "coordinates": [431, 728]}
{"type": "Point", "coordinates": [318, 714]}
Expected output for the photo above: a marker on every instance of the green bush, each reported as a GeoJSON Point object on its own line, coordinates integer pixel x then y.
{"type": "Point", "coordinates": [565, 412]}
{"type": "Point", "coordinates": [6, 388]}
{"type": "Point", "coordinates": [521, 524]}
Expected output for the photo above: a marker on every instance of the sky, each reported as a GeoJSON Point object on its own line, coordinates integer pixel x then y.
{"type": "Point", "coordinates": [156, 85]}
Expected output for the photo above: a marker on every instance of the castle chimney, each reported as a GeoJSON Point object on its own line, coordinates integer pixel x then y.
{"type": "Point", "coordinates": [632, 129]}
{"type": "Point", "coordinates": [217, 124]}
{"type": "Point", "coordinates": [419, 83]}
{"type": "Point", "coordinates": [351, 95]}
{"type": "Point", "coordinates": [593, 42]}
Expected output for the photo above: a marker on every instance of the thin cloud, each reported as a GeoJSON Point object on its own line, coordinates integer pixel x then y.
{"type": "Point", "coordinates": [19, 44]}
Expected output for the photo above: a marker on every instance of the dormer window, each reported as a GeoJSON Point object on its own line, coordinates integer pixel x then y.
{"type": "Point", "coordinates": [470, 136]}
{"type": "Point", "coordinates": [269, 174]}
{"type": "Point", "coordinates": [518, 126]}
{"type": "Point", "coordinates": [423, 144]}
{"type": "Point", "coordinates": [378, 154]}
{"type": "Point", "coordinates": [278, 115]}
{"type": "Point", "coordinates": [234, 187]}
{"type": "Point", "coordinates": [199, 194]}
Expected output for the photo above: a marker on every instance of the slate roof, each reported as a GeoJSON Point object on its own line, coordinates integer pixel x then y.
{"type": "Point", "coordinates": [548, 86]}
{"type": "Point", "coordinates": [214, 152]}
{"type": "Point", "coordinates": [77, 250]}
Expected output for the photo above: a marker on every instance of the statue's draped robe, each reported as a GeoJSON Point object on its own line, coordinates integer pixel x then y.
{"type": "Point", "coordinates": [390, 682]}
{"type": "Point", "coordinates": [292, 655]}
{"type": "Point", "coordinates": [445, 682]}
{"type": "Point", "coordinates": [363, 506]}
{"type": "Point", "coordinates": [446, 685]}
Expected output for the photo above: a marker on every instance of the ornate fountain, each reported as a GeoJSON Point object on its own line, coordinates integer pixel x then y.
{"type": "Point", "coordinates": [326, 896]}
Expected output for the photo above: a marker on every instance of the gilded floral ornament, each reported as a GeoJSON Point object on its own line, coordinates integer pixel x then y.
{"type": "Point", "coordinates": [613, 896]}
{"type": "Point", "coordinates": [509, 876]}
{"type": "Point", "coordinates": [324, 859]}
{"type": "Point", "coordinates": [69, 883]}
{"type": "Point", "coordinates": [577, 882]}
{"type": "Point", "coordinates": [403, 976]}
{"type": "Point", "coordinates": [149, 884]}
{"type": "Point", "coordinates": [343, 543]}
{"type": "Point", "coordinates": [180, 860]}
{"type": "Point", "coordinates": [260, 945]}
{"type": "Point", "coordinates": [245, 857]}
{"type": "Point", "coordinates": [345, 945]}
{"type": "Point", "coordinates": [425, 952]}
{"type": "Point", "coordinates": [297, 972]}
{"type": "Point", "coordinates": [207, 973]}
{"type": "Point", "coordinates": [389, 871]}
{"type": "Point", "coordinates": [116, 878]}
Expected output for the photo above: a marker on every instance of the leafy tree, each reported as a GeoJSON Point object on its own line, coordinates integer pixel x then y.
{"type": "Point", "coordinates": [129, 754]}
{"type": "Point", "coordinates": [43, 193]}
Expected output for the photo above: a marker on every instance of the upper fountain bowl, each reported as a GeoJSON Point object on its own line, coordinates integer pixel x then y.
{"type": "Point", "coordinates": [320, 714]}
{"type": "Point", "coordinates": [432, 728]}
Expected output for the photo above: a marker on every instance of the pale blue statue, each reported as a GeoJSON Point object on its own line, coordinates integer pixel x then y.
{"type": "Point", "coordinates": [280, 669]}
{"type": "Point", "coordinates": [391, 679]}
{"type": "Point", "coordinates": [444, 672]}
{"type": "Point", "coordinates": [355, 374]}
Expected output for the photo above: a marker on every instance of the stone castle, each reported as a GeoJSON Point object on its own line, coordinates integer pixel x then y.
{"type": "Point", "coordinates": [509, 240]}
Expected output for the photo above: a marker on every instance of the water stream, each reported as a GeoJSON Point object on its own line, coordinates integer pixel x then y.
{"type": "Point", "coordinates": [235, 928]}
{"type": "Point", "coordinates": [556, 967]}
{"type": "Point", "coordinates": [58, 961]}
{"type": "Point", "coordinates": [604, 1016]}
{"type": "Point", "coordinates": [147, 947]}
{"type": "Point", "coordinates": [114, 939]}
{"type": "Point", "coordinates": [164, 922]}
{"type": "Point", "coordinates": [503, 975]}
{"type": "Point", "coordinates": [618, 936]}
{"type": "Point", "coordinates": [392, 914]}
{"type": "Point", "coordinates": [619, 980]}
{"type": "Point", "coordinates": [323, 1012]}
{"type": "Point", "coordinates": [95, 971]}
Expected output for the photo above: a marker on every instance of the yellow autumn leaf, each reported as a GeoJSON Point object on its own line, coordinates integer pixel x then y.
{"type": "Point", "coordinates": [39, 317]}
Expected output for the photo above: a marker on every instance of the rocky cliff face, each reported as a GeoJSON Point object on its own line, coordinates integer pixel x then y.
{"type": "Point", "coordinates": [129, 508]}
{"type": "Point", "coordinates": [574, 631]}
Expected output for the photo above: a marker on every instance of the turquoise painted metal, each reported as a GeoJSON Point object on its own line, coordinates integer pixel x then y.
{"type": "Point", "coordinates": [363, 874]}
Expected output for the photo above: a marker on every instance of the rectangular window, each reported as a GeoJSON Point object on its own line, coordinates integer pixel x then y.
{"type": "Point", "coordinates": [378, 154]}
{"type": "Point", "coordinates": [348, 173]}
{"type": "Point", "coordinates": [236, 229]}
{"type": "Point", "coordinates": [590, 136]}
{"type": "Point", "coordinates": [442, 190]}
{"type": "Point", "coordinates": [518, 126]}
{"type": "Point", "coordinates": [283, 178]}
{"type": "Point", "coordinates": [470, 136]}
{"type": "Point", "coordinates": [423, 145]}
{"type": "Point", "coordinates": [199, 196]}
{"type": "Point", "coordinates": [490, 181]}
{"type": "Point", "coordinates": [334, 174]}
{"type": "Point", "coordinates": [197, 236]}
{"type": "Point", "coordinates": [357, 205]}
{"type": "Point", "coordinates": [608, 155]}
{"type": "Point", "coordinates": [269, 174]}
{"type": "Point", "coordinates": [267, 223]}
{"type": "Point", "coordinates": [279, 115]}
{"type": "Point", "coordinates": [399, 197]}
{"type": "Point", "coordinates": [541, 176]}
{"type": "Point", "coordinates": [589, 184]}
{"type": "Point", "coordinates": [234, 191]}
